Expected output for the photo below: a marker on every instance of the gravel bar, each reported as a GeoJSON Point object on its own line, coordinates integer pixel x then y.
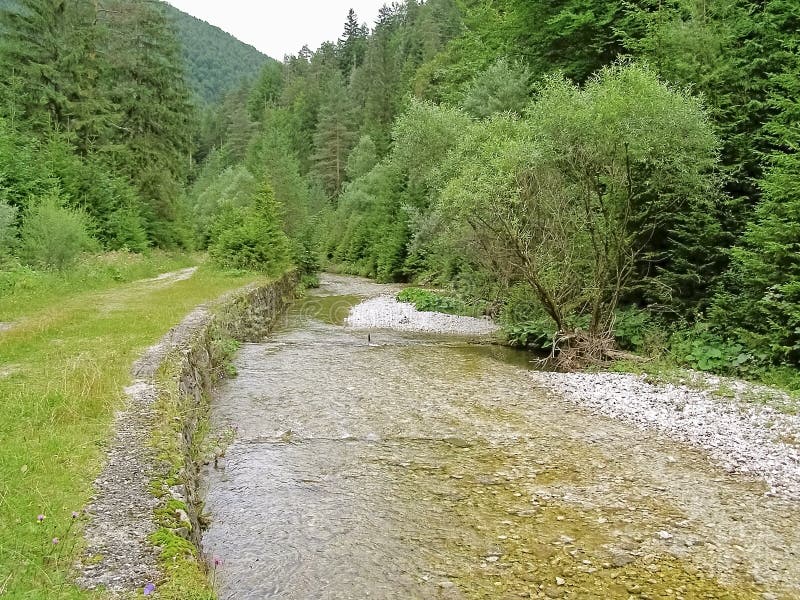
{"type": "Point", "coordinates": [741, 436]}
{"type": "Point", "coordinates": [384, 312]}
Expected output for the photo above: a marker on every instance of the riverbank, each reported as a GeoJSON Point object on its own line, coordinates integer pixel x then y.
{"type": "Point", "coordinates": [385, 312]}
{"type": "Point", "coordinates": [735, 422]}
{"type": "Point", "coordinates": [63, 367]}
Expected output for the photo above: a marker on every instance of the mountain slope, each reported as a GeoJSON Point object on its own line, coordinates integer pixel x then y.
{"type": "Point", "coordinates": [216, 62]}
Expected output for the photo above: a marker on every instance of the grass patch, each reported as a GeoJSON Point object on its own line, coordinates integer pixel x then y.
{"type": "Point", "coordinates": [24, 290]}
{"type": "Point", "coordinates": [71, 353]}
{"type": "Point", "coordinates": [428, 300]}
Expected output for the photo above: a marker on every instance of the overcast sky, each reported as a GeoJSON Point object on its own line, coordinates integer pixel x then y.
{"type": "Point", "coordinates": [278, 28]}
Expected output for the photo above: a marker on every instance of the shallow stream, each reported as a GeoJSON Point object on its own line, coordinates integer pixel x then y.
{"type": "Point", "coordinates": [422, 467]}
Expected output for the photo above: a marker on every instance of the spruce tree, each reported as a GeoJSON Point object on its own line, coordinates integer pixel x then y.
{"type": "Point", "coordinates": [353, 44]}
{"type": "Point", "coordinates": [154, 137]}
{"type": "Point", "coordinates": [334, 137]}
{"type": "Point", "coordinates": [52, 69]}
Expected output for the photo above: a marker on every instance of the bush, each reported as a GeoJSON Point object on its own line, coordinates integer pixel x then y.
{"type": "Point", "coordinates": [126, 230]}
{"type": "Point", "coordinates": [704, 349]}
{"type": "Point", "coordinates": [639, 331]}
{"type": "Point", "coordinates": [52, 236]}
{"type": "Point", "coordinates": [524, 322]}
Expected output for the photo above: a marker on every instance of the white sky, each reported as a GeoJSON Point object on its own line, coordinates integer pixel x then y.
{"type": "Point", "coordinates": [281, 27]}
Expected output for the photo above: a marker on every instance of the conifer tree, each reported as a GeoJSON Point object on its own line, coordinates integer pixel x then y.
{"type": "Point", "coordinates": [353, 44]}
{"type": "Point", "coordinates": [154, 141]}
{"type": "Point", "coordinates": [52, 71]}
{"type": "Point", "coordinates": [334, 137]}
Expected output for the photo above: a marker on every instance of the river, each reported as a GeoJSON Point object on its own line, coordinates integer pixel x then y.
{"type": "Point", "coordinates": [416, 466]}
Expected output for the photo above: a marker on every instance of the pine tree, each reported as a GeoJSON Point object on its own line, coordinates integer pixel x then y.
{"type": "Point", "coordinates": [761, 305]}
{"type": "Point", "coordinates": [154, 141]}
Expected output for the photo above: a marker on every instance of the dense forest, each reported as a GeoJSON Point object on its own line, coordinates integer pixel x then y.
{"type": "Point", "coordinates": [598, 175]}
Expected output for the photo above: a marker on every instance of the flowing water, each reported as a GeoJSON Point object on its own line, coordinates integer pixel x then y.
{"type": "Point", "coordinates": [422, 467]}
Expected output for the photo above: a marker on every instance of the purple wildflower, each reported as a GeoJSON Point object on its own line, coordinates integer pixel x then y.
{"type": "Point", "coordinates": [217, 562]}
{"type": "Point", "coordinates": [40, 518]}
{"type": "Point", "coordinates": [55, 541]}
{"type": "Point", "coordinates": [150, 588]}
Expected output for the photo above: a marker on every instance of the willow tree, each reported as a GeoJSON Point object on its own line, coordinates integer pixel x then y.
{"type": "Point", "coordinates": [568, 198]}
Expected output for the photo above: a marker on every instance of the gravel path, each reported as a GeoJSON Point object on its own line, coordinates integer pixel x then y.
{"type": "Point", "coordinates": [119, 555]}
{"type": "Point", "coordinates": [741, 436]}
{"type": "Point", "coordinates": [384, 312]}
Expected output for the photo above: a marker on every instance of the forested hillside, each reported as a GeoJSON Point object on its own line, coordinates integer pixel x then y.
{"type": "Point", "coordinates": [597, 174]}
{"type": "Point", "coordinates": [96, 129]}
{"type": "Point", "coordinates": [216, 62]}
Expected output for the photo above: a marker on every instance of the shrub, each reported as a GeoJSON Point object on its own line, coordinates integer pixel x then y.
{"type": "Point", "coordinates": [639, 331]}
{"type": "Point", "coordinates": [126, 230]}
{"type": "Point", "coordinates": [524, 322]}
{"type": "Point", "coordinates": [52, 236]}
{"type": "Point", "coordinates": [702, 348]}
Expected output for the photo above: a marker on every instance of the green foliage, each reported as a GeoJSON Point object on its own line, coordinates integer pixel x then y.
{"type": "Point", "coordinates": [267, 90]}
{"type": "Point", "coordinates": [152, 140]}
{"type": "Point", "coordinates": [51, 236]}
{"type": "Point", "coordinates": [334, 137]}
{"type": "Point", "coordinates": [503, 87]}
{"type": "Point", "coordinates": [353, 44]}
{"type": "Point", "coordinates": [8, 229]}
{"type": "Point", "coordinates": [272, 156]}
{"type": "Point", "coordinates": [252, 238]}
{"type": "Point", "coordinates": [761, 305]}
{"type": "Point", "coordinates": [640, 331]}
{"type": "Point", "coordinates": [579, 186]}
{"type": "Point", "coordinates": [706, 350]}
{"type": "Point", "coordinates": [51, 71]}
{"type": "Point", "coordinates": [362, 159]}
{"type": "Point", "coordinates": [427, 300]}
{"type": "Point", "coordinates": [215, 192]}
{"type": "Point", "coordinates": [93, 105]}
{"type": "Point", "coordinates": [374, 238]}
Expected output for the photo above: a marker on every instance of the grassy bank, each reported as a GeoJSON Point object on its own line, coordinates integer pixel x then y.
{"type": "Point", "coordinates": [63, 367]}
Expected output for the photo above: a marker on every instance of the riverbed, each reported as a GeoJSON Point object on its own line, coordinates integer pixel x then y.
{"type": "Point", "coordinates": [385, 464]}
